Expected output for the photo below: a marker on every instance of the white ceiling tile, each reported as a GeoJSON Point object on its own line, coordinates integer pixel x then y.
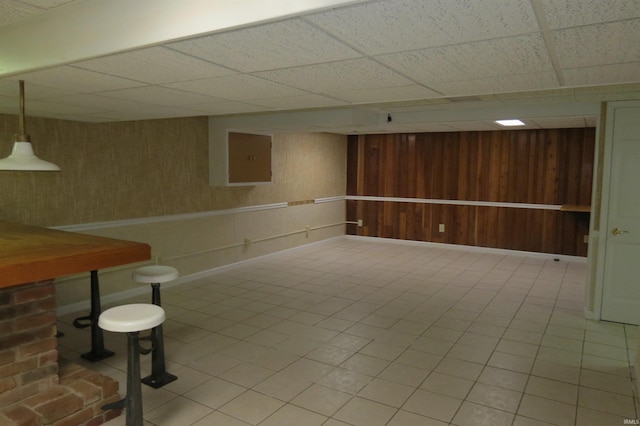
{"type": "Point", "coordinates": [143, 114]}
{"type": "Point", "coordinates": [154, 65]}
{"type": "Point", "coordinates": [159, 96]}
{"type": "Point", "coordinates": [271, 46]}
{"type": "Point", "coordinates": [297, 102]}
{"type": "Point", "coordinates": [573, 13]}
{"type": "Point", "coordinates": [430, 127]}
{"type": "Point", "coordinates": [505, 83]}
{"type": "Point", "coordinates": [76, 80]}
{"type": "Point", "coordinates": [559, 122]}
{"type": "Point", "coordinates": [13, 11]}
{"type": "Point", "coordinates": [385, 94]}
{"type": "Point", "coordinates": [400, 25]}
{"type": "Point", "coordinates": [492, 58]}
{"type": "Point", "coordinates": [475, 125]}
{"type": "Point", "coordinates": [227, 107]}
{"type": "Point", "coordinates": [11, 87]}
{"type": "Point", "coordinates": [425, 50]}
{"type": "Point", "coordinates": [102, 102]}
{"type": "Point", "coordinates": [237, 87]}
{"type": "Point", "coordinates": [612, 43]}
{"type": "Point", "coordinates": [337, 76]}
{"type": "Point", "coordinates": [35, 107]}
{"type": "Point", "coordinates": [605, 74]}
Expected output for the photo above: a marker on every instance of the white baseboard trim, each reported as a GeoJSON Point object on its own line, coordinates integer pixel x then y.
{"type": "Point", "coordinates": [472, 248]}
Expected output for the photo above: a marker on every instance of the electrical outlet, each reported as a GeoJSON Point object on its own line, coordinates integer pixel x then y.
{"type": "Point", "coordinates": [360, 223]}
{"type": "Point", "coordinates": [441, 227]}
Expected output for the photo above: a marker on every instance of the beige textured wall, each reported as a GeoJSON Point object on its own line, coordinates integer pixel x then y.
{"type": "Point", "coordinates": [158, 168]}
{"type": "Point", "coordinates": [113, 171]}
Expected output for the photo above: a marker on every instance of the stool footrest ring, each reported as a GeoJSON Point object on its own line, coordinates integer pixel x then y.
{"type": "Point", "coordinates": [145, 351]}
{"type": "Point", "coordinates": [78, 322]}
{"type": "Point", "coordinates": [115, 405]}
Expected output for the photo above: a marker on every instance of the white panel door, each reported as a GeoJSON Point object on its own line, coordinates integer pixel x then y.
{"type": "Point", "coordinates": [621, 286]}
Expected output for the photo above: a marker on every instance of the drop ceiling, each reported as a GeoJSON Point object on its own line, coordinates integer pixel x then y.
{"type": "Point", "coordinates": [380, 65]}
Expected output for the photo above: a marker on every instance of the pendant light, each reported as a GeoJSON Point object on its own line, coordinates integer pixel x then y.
{"type": "Point", "coordinates": [22, 157]}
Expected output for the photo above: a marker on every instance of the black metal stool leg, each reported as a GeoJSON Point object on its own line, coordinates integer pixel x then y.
{"type": "Point", "coordinates": [132, 403]}
{"type": "Point", "coordinates": [98, 351]}
{"type": "Point", "coordinates": [159, 376]}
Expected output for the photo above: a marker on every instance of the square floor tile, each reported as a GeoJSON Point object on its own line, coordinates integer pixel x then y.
{"type": "Point", "coordinates": [215, 392]}
{"type": "Point", "coordinates": [471, 414]}
{"type": "Point", "coordinates": [385, 392]}
{"type": "Point", "coordinates": [547, 410]}
{"type": "Point", "coordinates": [282, 386]}
{"type": "Point", "coordinates": [178, 412]}
{"type": "Point", "coordinates": [607, 402]}
{"type": "Point", "coordinates": [321, 399]}
{"type": "Point", "coordinates": [362, 412]}
{"type": "Point", "coordinates": [290, 415]}
{"type": "Point", "coordinates": [406, 418]}
{"type": "Point", "coordinates": [345, 380]}
{"type": "Point", "coordinates": [495, 397]}
{"type": "Point", "coordinates": [552, 389]}
{"type": "Point", "coordinates": [251, 407]}
{"type": "Point", "coordinates": [445, 384]}
{"type": "Point", "coordinates": [432, 405]}
{"type": "Point", "coordinates": [404, 374]}
{"type": "Point", "coordinates": [459, 368]}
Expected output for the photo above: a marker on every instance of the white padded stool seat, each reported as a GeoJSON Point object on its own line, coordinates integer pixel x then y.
{"type": "Point", "coordinates": [155, 274]}
{"type": "Point", "coordinates": [131, 318]}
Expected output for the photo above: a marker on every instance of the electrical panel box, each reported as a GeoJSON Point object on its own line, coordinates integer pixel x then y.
{"type": "Point", "coordinates": [249, 158]}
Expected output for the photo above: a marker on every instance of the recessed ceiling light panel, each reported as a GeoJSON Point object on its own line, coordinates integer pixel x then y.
{"type": "Point", "coordinates": [510, 123]}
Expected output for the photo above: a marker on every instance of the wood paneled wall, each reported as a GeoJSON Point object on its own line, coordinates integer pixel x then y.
{"type": "Point", "coordinates": [543, 167]}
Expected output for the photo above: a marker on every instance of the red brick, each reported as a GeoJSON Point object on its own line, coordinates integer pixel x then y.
{"type": "Point", "coordinates": [85, 390]}
{"type": "Point", "coordinates": [76, 419]}
{"type": "Point", "coordinates": [40, 373]}
{"type": "Point", "coordinates": [48, 395]}
{"type": "Point", "coordinates": [18, 367]}
{"type": "Point", "coordinates": [34, 292]}
{"type": "Point", "coordinates": [18, 394]}
{"type": "Point", "coordinates": [59, 408]}
{"type": "Point", "coordinates": [108, 385]}
{"type": "Point", "coordinates": [37, 320]}
{"type": "Point", "coordinates": [6, 327]}
{"type": "Point", "coordinates": [49, 357]}
{"type": "Point", "coordinates": [7, 357]}
{"type": "Point", "coordinates": [6, 297]}
{"type": "Point", "coordinates": [48, 304]}
{"type": "Point", "coordinates": [21, 416]}
{"type": "Point", "coordinates": [68, 370]}
{"type": "Point", "coordinates": [15, 339]}
{"type": "Point", "coordinates": [33, 349]}
{"type": "Point", "coordinates": [7, 384]}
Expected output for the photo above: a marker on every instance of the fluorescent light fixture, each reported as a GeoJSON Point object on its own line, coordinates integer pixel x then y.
{"type": "Point", "coordinates": [510, 122]}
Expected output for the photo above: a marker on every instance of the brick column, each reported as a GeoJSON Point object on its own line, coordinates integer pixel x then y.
{"type": "Point", "coordinates": [28, 347]}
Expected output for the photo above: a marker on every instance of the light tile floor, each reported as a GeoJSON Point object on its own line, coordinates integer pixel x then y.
{"type": "Point", "coordinates": [353, 332]}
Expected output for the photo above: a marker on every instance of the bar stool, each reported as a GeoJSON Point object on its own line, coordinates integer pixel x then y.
{"type": "Point", "coordinates": [155, 275]}
{"type": "Point", "coordinates": [131, 319]}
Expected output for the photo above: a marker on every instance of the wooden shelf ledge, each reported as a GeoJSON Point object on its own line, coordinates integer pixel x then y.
{"type": "Point", "coordinates": [575, 208]}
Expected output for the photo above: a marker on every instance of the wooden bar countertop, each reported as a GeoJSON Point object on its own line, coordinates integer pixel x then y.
{"type": "Point", "coordinates": [31, 253]}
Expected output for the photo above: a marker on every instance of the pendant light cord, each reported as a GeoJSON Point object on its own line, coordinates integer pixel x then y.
{"type": "Point", "coordinates": [22, 134]}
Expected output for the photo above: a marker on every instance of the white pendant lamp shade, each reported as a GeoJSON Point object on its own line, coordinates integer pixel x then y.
{"type": "Point", "coordinates": [22, 157]}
